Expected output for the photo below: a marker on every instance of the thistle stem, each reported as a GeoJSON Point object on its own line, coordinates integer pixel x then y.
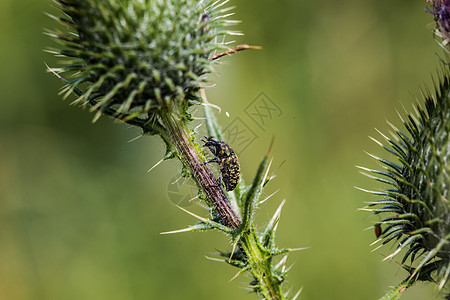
{"type": "Point", "coordinates": [190, 156]}
{"type": "Point", "coordinates": [269, 286]}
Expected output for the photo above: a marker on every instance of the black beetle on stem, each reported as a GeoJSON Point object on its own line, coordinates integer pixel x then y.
{"type": "Point", "coordinates": [228, 162]}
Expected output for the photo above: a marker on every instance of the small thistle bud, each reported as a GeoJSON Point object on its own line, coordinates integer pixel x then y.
{"type": "Point", "coordinates": [138, 57]}
{"type": "Point", "coordinates": [416, 203]}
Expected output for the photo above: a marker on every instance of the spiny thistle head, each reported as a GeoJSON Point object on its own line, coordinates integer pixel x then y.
{"type": "Point", "coordinates": [416, 205]}
{"type": "Point", "coordinates": [138, 56]}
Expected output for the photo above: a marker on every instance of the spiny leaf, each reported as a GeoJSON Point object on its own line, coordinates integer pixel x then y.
{"type": "Point", "coordinates": [251, 199]}
{"type": "Point", "coordinates": [268, 234]}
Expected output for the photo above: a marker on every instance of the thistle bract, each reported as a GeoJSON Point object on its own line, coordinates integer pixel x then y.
{"type": "Point", "coordinates": [138, 56]}
{"type": "Point", "coordinates": [415, 206]}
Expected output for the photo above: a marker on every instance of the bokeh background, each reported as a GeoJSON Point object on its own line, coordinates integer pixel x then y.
{"type": "Point", "coordinates": [80, 217]}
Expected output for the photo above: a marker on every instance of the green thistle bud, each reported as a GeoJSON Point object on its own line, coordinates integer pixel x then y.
{"type": "Point", "coordinates": [416, 204]}
{"type": "Point", "coordinates": [138, 57]}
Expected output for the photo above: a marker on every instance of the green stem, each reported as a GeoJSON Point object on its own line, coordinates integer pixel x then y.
{"type": "Point", "coordinates": [190, 156]}
{"type": "Point", "coordinates": [260, 267]}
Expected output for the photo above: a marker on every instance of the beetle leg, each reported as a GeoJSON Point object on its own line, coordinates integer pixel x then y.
{"type": "Point", "coordinates": [215, 159]}
{"type": "Point", "coordinates": [219, 182]}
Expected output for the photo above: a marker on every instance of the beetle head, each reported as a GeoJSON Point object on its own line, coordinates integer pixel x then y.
{"type": "Point", "coordinates": [213, 145]}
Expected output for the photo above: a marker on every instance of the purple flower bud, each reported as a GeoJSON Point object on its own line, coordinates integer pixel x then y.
{"type": "Point", "coordinates": [441, 11]}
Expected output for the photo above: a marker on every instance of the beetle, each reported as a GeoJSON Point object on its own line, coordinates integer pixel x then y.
{"type": "Point", "coordinates": [230, 171]}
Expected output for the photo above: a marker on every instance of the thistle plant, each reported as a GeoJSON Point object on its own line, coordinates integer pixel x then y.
{"type": "Point", "coordinates": [143, 63]}
{"type": "Point", "coordinates": [415, 206]}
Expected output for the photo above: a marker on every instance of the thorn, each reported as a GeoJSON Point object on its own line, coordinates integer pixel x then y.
{"type": "Point", "coordinates": [213, 4]}
{"type": "Point", "coordinates": [376, 248]}
{"type": "Point", "coordinates": [237, 274]}
{"type": "Point", "coordinates": [209, 222]}
{"type": "Point", "coordinates": [206, 103]}
{"type": "Point", "coordinates": [368, 175]}
{"type": "Point", "coordinates": [54, 71]}
{"type": "Point", "coordinates": [224, 16]}
{"type": "Point", "coordinates": [363, 168]}
{"type": "Point", "coordinates": [216, 4]}
{"type": "Point", "coordinates": [393, 254]}
{"type": "Point", "coordinates": [273, 223]}
{"type": "Point", "coordinates": [213, 106]}
{"type": "Point", "coordinates": [373, 156]}
{"type": "Point", "coordinates": [233, 250]}
{"type": "Point", "coordinates": [280, 263]}
{"type": "Point", "coordinates": [368, 228]}
{"type": "Point", "coordinates": [362, 190]}
{"type": "Point", "coordinates": [392, 125]}
{"type": "Point", "coordinates": [135, 138]}
{"type": "Point", "coordinates": [194, 215]}
{"type": "Point", "coordinates": [276, 215]}
{"type": "Point", "coordinates": [375, 242]}
{"type": "Point", "coordinates": [155, 165]}
{"type": "Point", "coordinates": [288, 269]}
{"type": "Point", "coordinates": [373, 202]}
{"type": "Point", "coordinates": [97, 116]}
{"type": "Point", "coordinates": [268, 197]}
{"type": "Point", "coordinates": [364, 209]}
{"type": "Point", "coordinates": [177, 231]}
{"type": "Point", "coordinates": [199, 125]}
{"type": "Point", "coordinates": [384, 136]}
{"type": "Point", "coordinates": [178, 179]}
{"type": "Point", "coordinates": [298, 249]}
{"type": "Point", "coordinates": [193, 198]}
{"type": "Point", "coordinates": [298, 294]}
{"type": "Point", "coordinates": [214, 259]}
{"type": "Point", "coordinates": [271, 146]}
{"type": "Point", "coordinates": [273, 174]}
{"type": "Point", "coordinates": [51, 16]}
{"type": "Point", "coordinates": [267, 173]}
{"type": "Point", "coordinates": [376, 141]}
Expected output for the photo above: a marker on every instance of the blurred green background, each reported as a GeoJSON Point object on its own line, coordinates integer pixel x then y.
{"type": "Point", "coordinates": [80, 217]}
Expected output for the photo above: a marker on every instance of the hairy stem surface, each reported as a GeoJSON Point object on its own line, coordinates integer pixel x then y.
{"type": "Point", "coordinates": [261, 268]}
